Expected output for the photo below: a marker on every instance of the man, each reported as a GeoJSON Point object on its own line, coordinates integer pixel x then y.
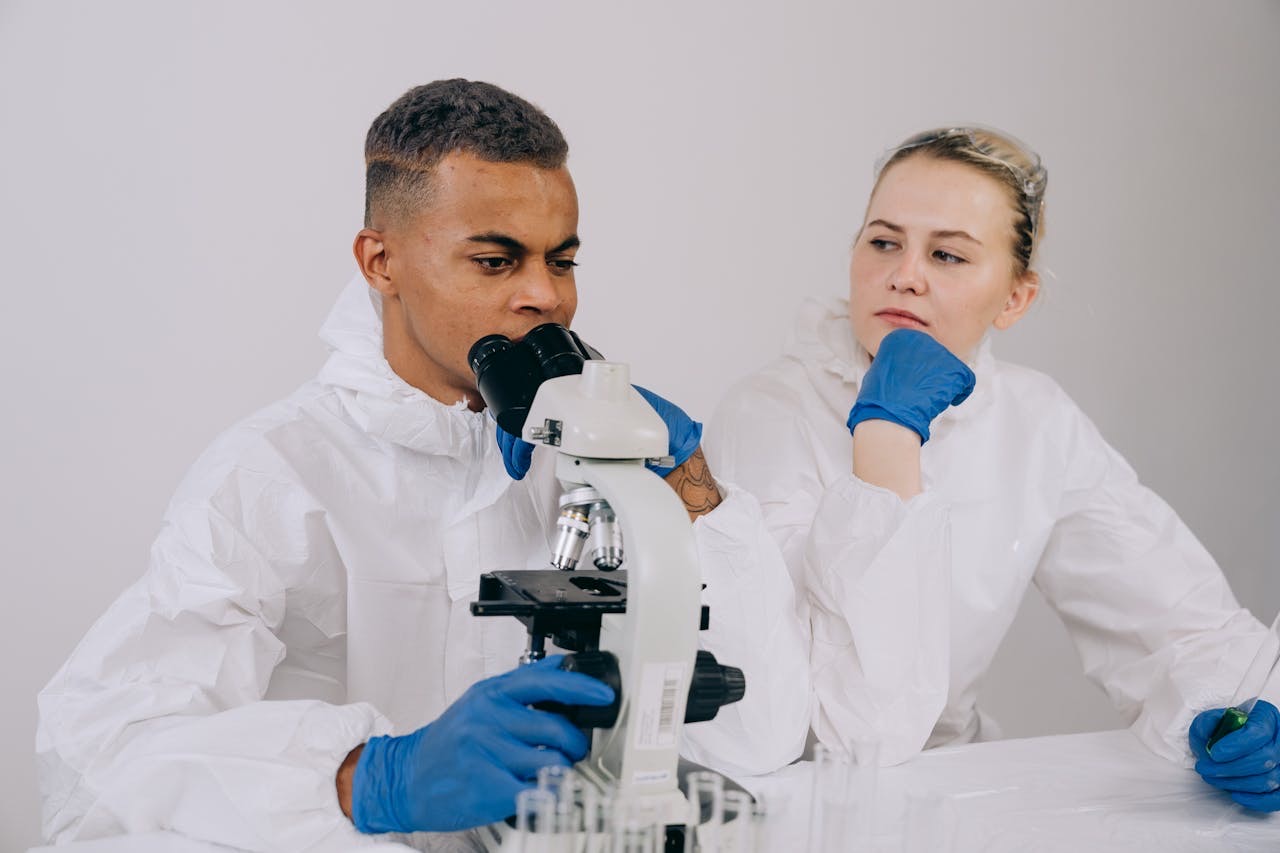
{"type": "Point", "coordinates": [308, 593]}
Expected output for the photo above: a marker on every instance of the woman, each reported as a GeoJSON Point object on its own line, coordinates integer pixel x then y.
{"type": "Point", "coordinates": [917, 485]}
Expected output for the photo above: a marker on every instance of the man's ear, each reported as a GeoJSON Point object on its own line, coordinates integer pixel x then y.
{"type": "Point", "coordinates": [370, 249]}
{"type": "Point", "coordinates": [1024, 293]}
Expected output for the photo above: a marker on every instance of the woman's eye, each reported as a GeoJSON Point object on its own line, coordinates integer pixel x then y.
{"type": "Point", "coordinates": [882, 244]}
{"type": "Point", "coordinates": [948, 258]}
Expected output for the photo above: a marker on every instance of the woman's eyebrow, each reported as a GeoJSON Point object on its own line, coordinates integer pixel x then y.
{"type": "Point", "coordinates": [963, 235]}
{"type": "Point", "coordinates": [944, 233]}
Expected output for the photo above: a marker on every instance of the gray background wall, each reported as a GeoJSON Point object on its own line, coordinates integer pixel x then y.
{"type": "Point", "coordinates": [180, 183]}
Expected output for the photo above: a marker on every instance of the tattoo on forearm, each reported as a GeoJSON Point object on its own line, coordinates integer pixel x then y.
{"type": "Point", "coordinates": [694, 484]}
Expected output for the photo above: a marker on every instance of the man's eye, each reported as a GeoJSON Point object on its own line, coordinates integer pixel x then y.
{"type": "Point", "coordinates": [562, 264]}
{"type": "Point", "coordinates": [493, 263]}
{"type": "Point", "coordinates": [948, 258]}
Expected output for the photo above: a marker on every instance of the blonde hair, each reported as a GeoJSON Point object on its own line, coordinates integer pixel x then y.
{"type": "Point", "coordinates": [1013, 165]}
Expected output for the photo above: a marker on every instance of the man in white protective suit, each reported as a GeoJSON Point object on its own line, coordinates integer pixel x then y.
{"type": "Point", "coordinates": [298, 668]}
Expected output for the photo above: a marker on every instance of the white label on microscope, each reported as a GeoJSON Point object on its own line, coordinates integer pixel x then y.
{"type": "Point", "coordinates": [654, 714]}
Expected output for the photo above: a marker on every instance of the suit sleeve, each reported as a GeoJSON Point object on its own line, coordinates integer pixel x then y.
{"type": "Point", "coordinates": [754, 625]}
{"type": "Point", "coordinates": [871, 572]}
{"type": "Point", "coordinates": [158, 720]}
{"type": "Point", "coordinates": [1151, 615]}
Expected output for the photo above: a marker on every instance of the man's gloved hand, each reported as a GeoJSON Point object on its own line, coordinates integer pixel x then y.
{"type": "Point", "coordinates": [684, 436]}
{"type": "Point", "coordinates": [517, 454]}
{"type": "Point", "coordinates": [1245, 763]}
{"type": "Point", "coordinates": [465, 769]}
{"type": "Point", "coordinates": [684, 433]}
{"type": "Point", "coordinates": [912, 379]}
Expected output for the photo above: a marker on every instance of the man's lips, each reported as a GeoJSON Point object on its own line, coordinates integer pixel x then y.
{"type": "Point", "coordinates": [899, 317]}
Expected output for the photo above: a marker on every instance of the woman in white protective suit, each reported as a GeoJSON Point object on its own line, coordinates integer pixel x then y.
{"type": "Point", "coordinates": [917, 485]}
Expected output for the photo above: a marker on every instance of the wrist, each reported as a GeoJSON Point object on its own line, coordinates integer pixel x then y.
{"type": "Point", "coordinates": [866, 411]}
{"type": "Point", "coordinates": [345, 778]}
{"type": "Point", "coordinates": [887, 454]}
{"type": "Point", "coordinates": [377, 786]}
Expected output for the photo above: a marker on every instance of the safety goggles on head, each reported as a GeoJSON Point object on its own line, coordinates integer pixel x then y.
{"type": "Point", "coordinates": [1031, 181]}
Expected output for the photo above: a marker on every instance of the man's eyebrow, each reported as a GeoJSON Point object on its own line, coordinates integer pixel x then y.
{"type": "Point", "coordinates": [570, 242]}
{"type": "Point", "coordinates": [507, 242]}
{"type": "Point", "coordinates": [512, 244]}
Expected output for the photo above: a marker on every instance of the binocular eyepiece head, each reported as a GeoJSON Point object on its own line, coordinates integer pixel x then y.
{"type": "Point", "coordinates": [508, 372]}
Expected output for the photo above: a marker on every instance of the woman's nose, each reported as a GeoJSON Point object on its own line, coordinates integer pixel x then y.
{"type": "Point", "coordinates": [908, 275]}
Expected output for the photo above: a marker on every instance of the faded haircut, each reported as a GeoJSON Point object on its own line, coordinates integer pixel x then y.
{"type": "Point", "coordinates": [429, 122]}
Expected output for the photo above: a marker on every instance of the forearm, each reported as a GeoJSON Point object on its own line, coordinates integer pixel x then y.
{"type": "Point", "coordinates": [693, 482]}
{"type": "Point", "coordinates": [878, 577]}
{"type": "Point", "coordinates": [887, 455]}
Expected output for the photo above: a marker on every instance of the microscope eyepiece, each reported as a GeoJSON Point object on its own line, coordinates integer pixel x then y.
{"type": "Point", "coordinates": [508, 373]}
{"type": "Point", "coordinates": [485, 349]}
{"type": "Point", "coordinates": [507, 376]}
{"type": "Point", "coordinates": [556, 350]}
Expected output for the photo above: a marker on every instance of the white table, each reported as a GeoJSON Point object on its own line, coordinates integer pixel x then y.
{"type": "Point", "coordinates": [1101, 791]}
{"type": "Point", "coordinates": [1095, 792]}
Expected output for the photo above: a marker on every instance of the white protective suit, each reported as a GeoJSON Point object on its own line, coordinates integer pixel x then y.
{"type": "Point", "coordinates": [908, 610]}
{"type": "Point", "coordinates": [309, 589]}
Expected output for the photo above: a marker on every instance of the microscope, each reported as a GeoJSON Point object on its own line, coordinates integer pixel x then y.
{"type": "Point", "coordinates": [633, 619]}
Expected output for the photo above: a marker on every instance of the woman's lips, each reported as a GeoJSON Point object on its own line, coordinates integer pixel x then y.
{"type": "Point", "coordinates": [901, 319]}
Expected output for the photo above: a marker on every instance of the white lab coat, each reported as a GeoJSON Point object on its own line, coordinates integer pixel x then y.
{"type": "Point", "coordinates": [908, 610]}
{"type": "Point", "coordinates": [309, 588]}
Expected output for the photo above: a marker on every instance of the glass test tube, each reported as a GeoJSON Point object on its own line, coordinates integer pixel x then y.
{"type": "Point", "coordinates": [864, 788]}
{"type": "Point", "coordinates": [827, 798]}
{"type": "Point", "coordinates": [535, 821]}
{"type": "Point", "coordinates": [597, 820]}
{"type": "Point", "coordinates": [738, 833]}
{"type": "Point", "coordinates": [705, 790]}
{"type": "Point", "coordinates": [569, 791]}
{"type": "Point", "coordinates": [773, 831]}
{"type": "Point", "coordinates": [843, 799]}
{"type": "Point", "coordinates": [637, 828]}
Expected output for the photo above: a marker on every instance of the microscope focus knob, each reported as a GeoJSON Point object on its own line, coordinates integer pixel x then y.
{"type": "Point", "coordinates": [598, 664]}
{"type": "Point", "coordinates": [714, 686]}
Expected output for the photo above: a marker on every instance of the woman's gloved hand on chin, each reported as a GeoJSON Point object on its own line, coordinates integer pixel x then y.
{"type": "Point", "coordinates": [912, 379]}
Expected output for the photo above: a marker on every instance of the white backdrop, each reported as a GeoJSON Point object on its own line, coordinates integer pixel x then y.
{"type": "Point", "coordinates": [180, 183]}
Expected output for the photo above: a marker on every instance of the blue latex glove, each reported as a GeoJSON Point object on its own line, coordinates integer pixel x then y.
{"type": "Point", "coordinates": [517, 454]}
{"type": "Point", "coordinates": [1244, 763]}
{"type": "Point", "coordinates": [910, 381]}
{"type": "Point", "coordinates": [465, 769]}
{"type": "Point", "coordinates": [684, 433]}
{"type": "Point", "coordinates": [684, 436]}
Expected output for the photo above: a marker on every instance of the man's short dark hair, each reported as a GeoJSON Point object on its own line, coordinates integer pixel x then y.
{"type": "Point", "coordinates": [429, 122]}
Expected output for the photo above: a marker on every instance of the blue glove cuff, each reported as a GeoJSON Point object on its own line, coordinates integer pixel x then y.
{"type": "Point", "coordinates": [690, 438]}
{"type": "Point", "coordinates": [866, 411]}
{"type": "Point", "coordinates": [684, 434]}
{"type": "Point", "coordinates": [373, 786]}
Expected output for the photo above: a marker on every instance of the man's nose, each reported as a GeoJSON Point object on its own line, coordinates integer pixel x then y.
{"type": "Point", "coordinates": [539, 290]}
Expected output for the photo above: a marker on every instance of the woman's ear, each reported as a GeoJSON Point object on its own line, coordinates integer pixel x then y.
{"type": "Point", "coordinates": [1020, 299]}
